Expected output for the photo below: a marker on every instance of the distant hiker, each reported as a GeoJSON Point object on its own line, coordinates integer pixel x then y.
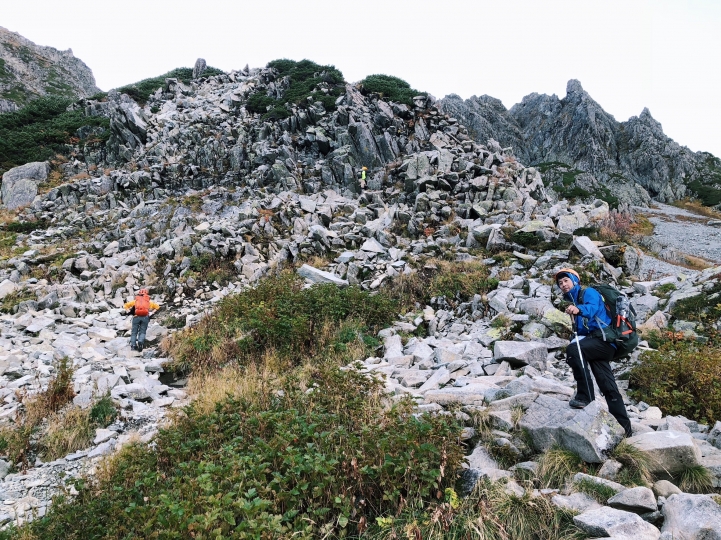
{"type": "Point", "coordinates": [142, 307]}
{"type": "Point", "coordinates": [589, 348]}
{"type": "Point", "coordinates": [363, 177]}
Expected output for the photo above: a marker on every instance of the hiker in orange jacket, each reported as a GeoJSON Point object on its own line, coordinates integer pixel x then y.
{"type": "Point", "coordinates": [142, 307]}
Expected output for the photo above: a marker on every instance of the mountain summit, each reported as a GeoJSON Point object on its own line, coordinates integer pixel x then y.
{"type": "Point", "coordinates": [577, 135]}
{"type": "Point", "coordinates": [28, 71]}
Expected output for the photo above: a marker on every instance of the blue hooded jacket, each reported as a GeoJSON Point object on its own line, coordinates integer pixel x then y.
{"type": "Point", "coordinates": [592, 307]}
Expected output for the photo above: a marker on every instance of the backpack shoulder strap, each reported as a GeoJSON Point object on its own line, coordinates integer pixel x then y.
{"type": "Point", "coordinates": [581, 294]}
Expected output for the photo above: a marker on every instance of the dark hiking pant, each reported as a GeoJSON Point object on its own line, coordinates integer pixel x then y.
{"type": "Point", "coordinates": [138, 329]}
{"type": "Point", "coordinates": [597, 354]}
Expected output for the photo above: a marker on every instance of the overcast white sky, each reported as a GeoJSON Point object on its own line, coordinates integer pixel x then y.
{"type": "Point", "coordinates": [628, 54]}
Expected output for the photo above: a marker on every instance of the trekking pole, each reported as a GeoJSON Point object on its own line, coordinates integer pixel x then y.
{"type": "Point", "coordinates": [580, 354]}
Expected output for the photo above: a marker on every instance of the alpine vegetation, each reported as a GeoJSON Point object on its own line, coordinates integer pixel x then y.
{"type": "Point", "coordinates": [271, 303]}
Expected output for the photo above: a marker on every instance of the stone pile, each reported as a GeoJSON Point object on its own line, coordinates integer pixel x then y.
{"type": "Point", "coordinates": [194, 177]}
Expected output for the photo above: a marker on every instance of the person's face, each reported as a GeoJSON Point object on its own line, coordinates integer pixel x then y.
{"type": "Point", "coordinates": [565, 284]}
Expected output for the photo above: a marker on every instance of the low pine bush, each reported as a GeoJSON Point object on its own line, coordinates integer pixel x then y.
{"type": "Point", "coordinates": [41, 129]}
{"type": "Point", "coordinates": [305, 77]}
{"type": "Point", "coordinates": [284, 462]}
{"type": "Point", "coordinates": [681, 378]}
{"type": "Point", "coordinates": [390, 88]}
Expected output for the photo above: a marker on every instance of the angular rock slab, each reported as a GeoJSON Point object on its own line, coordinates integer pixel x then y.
{"type": "Point", "coordinates": [589, 432]}
{"type": "Point", "coordinates": [607, 521]}
{"type": "Point", "coordinates": [692, 517]}
{"type": "Point", "coordinates": [668, 451]}
{"type": "Point", "coordinates": [520, 353]}
{"type": "Point", "coordinates": [638, 499]}
{"type": "Point", "coordinates": [321, 276]}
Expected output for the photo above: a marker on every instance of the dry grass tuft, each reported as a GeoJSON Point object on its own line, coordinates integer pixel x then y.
{"type": "Point", "coordinates": [697, 207]}
{"type": "Point", "coordinates": [68, 431]}
{"type": "Point", "coordinates": [211, 388]}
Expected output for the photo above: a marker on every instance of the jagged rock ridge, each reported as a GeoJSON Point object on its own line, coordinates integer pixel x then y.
{"type": "Point", "coordinates": [577, 131]}
{"type": "Point", "coordinates": [28, 71]}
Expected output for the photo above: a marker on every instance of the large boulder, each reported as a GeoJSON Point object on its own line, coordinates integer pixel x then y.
{"type": "Point", "coordinates": [691, 517]}
{"type": "Point", "coordinates": [604, 522]}
{"type": "Point", "coordinates": [668, 451]}
{"type": "Point", "coordinates": [589, 432]}
{"type": "Point", "coordinates": [520, 353]}
{"type": "Point", "coordinates": [20, 184]}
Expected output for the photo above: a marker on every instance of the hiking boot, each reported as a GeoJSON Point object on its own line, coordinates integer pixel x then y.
{"type": "Point", "coordinates": [577, 403]}
{"type": "Point", "coordinates": [140, 347]}
{"type": "Point", "coordinates": [133, 348]}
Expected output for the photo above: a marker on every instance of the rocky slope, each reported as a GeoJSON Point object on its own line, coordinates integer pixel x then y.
{"type": "Point", "coordinates": [577, 132]}
{"type": "Point", "coordinates": [193, 176]}
{"type": "Point", "coordinates": [28, 71]}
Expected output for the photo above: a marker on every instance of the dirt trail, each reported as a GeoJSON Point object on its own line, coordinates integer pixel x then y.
{"type": "Point", "coordinates": [678, 232]}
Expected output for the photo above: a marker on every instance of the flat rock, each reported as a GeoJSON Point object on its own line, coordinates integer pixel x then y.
{"type": "Point", "coordinates": [590, 432]}
{"type": "Point", "coordinates": [668, 451]}
{"type": "Point", "coordinates": [615, 523]}
{"type": "Point", "coordinates": [520, 353]}
{"type": "Point", "coordinates": [577, 502]}
{"type": "Point", "coordinates": [637, 499]}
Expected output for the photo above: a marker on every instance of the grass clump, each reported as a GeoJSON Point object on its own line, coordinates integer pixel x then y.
{"type": "Point", "coordinates": [695, 479]}
{"type": "Point", "coordinates": [636, 465]}
{"type": "Point", "coordinates": [681, 378]}
{"type": "Point", "coordinates": [596, 490]}
{"type": "Point", "coordinates": [279, 315]}
{"type": "Point", "coordinates": [8, 303]}
{"type": "Point", "coordinates": [277, 462]}
{"type": "Point", "coordinates": [41, 129]}
{"type": "Point", "coordinates": [141, 90]}
{"type": "Point", "coordinates": [16, 441]}
{"type": "Point", "coordinates": [557, 465]}
{"type": "Point", "coordinates": [457, 281]}
{"type": "Point", "coordinates": [390, 88]}
{"type": "Point", "coordinates": [489, 513]}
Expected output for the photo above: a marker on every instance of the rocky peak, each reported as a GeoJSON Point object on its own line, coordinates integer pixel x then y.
{"type": "Point", "coordinates": [28, 71]}
{"type": "Point", "coordinates": [578, 132]}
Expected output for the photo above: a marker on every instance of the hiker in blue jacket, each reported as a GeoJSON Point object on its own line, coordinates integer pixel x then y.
{"type": "Point", "coordinates": [590, 320]}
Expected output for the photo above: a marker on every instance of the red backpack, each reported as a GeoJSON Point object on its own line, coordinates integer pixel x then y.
{"type": "Point", "coordinates": [142, 305]}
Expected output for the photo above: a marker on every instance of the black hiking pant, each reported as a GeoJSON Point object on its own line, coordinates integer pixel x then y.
{"type": "Point", "coordinates": [597, 354]}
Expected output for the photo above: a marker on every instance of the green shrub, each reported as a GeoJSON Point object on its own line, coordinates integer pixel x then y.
{"type": "Point", "coordinates": [304, 77]}
{"type": "Point", "coordinates": [40, 130]}
{"type": "Point", "coordinates": [390, 88]}
{"type": "Point", "coordinates": [24, 227]}
{"type": "Point", "coordinates": [141, 90]}
{"type": "Point", "coordinates": [709, 195]}
{"type": "Point", "coordinates": [292, 464]}
{"type": "Point", "coordinates": [103, 412]}
{"type": "Point", "coordinates": [681, 378]}
{"type": "Point", "coordinates": [700, 308]}
{"type": "Point", "coordinates": [278, 315]}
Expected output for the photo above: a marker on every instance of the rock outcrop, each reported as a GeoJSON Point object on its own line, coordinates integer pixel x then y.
{"type": "Point", "coordinates": [619, 156]}
{"type": "Point", "coordinates": [28, 71]}
{"type": "Point", "coordinates": [194, 175]}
